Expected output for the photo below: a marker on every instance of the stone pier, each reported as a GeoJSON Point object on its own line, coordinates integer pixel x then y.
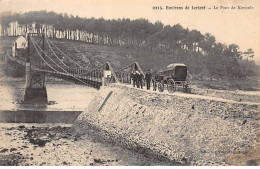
{"type": "Point", "coordinates": [35, 86]}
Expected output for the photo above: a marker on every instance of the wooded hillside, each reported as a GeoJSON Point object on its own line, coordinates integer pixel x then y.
{"type": "Point", "coordinates": [201, 52]}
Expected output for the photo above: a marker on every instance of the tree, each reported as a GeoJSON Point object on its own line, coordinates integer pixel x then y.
{"type": "Point", "coordinates": [193, 39]}
{"type": "Point", "coordinates": [207, 43]}
{"type": "Point", "coordinates": [249, 53]}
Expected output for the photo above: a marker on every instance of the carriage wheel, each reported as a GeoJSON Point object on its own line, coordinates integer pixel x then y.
{"type": "Point", "coordinates": [171, 86]}
{"type": "Point", "coordinates": [160, 87]}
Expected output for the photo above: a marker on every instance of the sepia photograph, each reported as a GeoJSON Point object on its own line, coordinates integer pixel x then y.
{"type": "Point", "coordinates": [129, 83]}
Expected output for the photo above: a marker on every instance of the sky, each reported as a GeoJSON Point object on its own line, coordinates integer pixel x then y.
{"type": "Point", "coordinates": [239, 26]}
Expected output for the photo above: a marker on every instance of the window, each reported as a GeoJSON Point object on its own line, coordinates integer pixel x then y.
{"type": "Point", "coordinates": [180, 71]}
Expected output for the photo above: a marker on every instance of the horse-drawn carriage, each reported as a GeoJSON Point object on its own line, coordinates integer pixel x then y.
{"type": "Point", "coordinates": [175, 75]}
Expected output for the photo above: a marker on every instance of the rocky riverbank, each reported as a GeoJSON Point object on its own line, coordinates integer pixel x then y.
{"type": "Point", "coordinates": [54, 145]}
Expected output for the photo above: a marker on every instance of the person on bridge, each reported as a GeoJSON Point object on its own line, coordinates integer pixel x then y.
{"type": "Point", "coordinates": [154, 81]}
{"type": "Point", "coordinates": [131, 77]}
{"type": "Point", "coordinates": [134, 78]}
{"type": "Point", "coordinates": [139, 80]}
{"type": "Point", "coordinates": [148, 77]}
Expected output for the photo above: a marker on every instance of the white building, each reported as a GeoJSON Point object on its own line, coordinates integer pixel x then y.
{"type": "Point", "coordinates": [19, 43]}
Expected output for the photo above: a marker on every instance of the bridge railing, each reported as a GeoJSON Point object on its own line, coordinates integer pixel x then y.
{"type": "Point", "coordinates": [124, 74]}
{"type": "Point", "coordinates": [98, 73]}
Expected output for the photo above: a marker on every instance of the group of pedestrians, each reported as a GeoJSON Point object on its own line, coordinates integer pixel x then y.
{"type": "Point", "coordinates": [138, 77]}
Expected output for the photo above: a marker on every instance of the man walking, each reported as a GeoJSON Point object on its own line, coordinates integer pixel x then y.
{"type": "Point", "coordinates": [154, 82]}
{"type": "Point", "coordinates": [139, 79]}
{"type": "Point", "coordinates": [148, 77]}
{"type": "Point", "coordinates": [134, 77]}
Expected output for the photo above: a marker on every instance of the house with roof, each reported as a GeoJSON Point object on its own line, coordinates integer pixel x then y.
{"type": "Point", "coordinates": [19, 43]}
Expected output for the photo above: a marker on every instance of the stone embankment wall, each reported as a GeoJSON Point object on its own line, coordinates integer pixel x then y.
{"type": "Point", "coordinates": [185, 129]}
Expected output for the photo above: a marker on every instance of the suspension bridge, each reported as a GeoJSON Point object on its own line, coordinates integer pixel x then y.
{"type": "Point", "coordinates": [44, 58]}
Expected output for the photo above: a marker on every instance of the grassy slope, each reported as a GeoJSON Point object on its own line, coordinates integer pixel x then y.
{"type": "Point", "coordinates": [118, 57]}
{"type": "Point", "coordinates": [121, 57]}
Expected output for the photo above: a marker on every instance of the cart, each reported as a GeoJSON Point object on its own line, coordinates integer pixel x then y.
{"type": "Point", "coordinates": [174, 76]}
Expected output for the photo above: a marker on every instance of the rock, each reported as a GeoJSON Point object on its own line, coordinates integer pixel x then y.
{"type": "Point", "coordinates": [65, 163]}
{"type": "Point", "coordinates": [21, 127]}
{"type": "Point", "coordinates": [244, 122]}
{"type": "Point", "coordinates": [10, 128]}
{"type": "Point", "coordinates": [52, 133]}
{"type": "Point", "coordinates": [4, 150]}
{"type": "Point", "coordinates": [39, 142]}
{"type": "Point", "coordinates": [65, 136]}
{"type": "Point", "coordinates": [251, 163]}
{"type": "Point", "coordinates": [11, 160]}
{"type": "Point", "coordinates": [97, 160]}
{"type": "Point", "coordinates": [58, 135]}
{"type": "Point", "coordinates": [13, 149]}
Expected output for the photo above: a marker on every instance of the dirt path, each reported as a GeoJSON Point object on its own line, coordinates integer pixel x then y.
{"type": "Point", "coordinates": [224, 96]}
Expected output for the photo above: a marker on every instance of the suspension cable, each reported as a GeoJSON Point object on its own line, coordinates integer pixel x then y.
{"type": "Point", "coordinates": [124, 68]}
{"type": "Point", "coordinates": [55, 54]}
{"type": "Point", "coordinates": [52, 67]}
{"type": "Point", "coordinates": [48, 56]}
{"type": "Point", "coordinates": [44, 59]}
{"type": "Point", "coordinates": [63, 53]}
{"type": "Point", "coordinates": [48, 42]}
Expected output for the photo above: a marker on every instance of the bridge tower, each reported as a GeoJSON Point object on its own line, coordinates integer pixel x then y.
{"type": "Point", "coordinates": [35, 82]}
